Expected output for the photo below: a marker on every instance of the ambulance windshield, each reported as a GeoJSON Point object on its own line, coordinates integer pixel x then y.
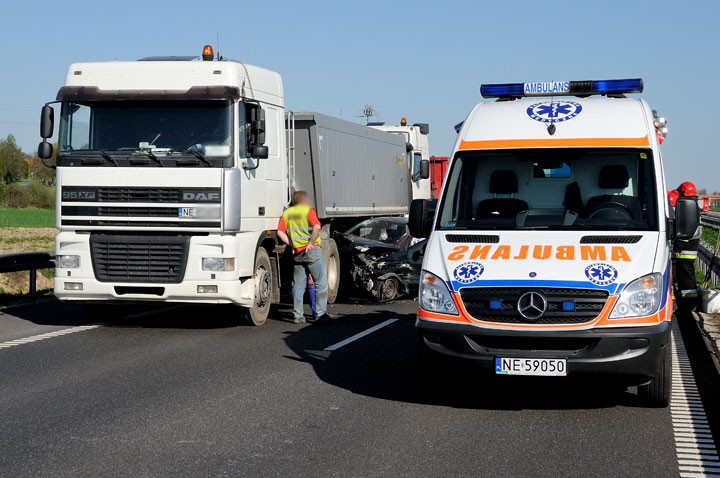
{"type": "Point", "coordinates": [574, 189]}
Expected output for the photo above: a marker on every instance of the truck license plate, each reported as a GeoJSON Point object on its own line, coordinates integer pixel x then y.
{"type": "Point", "coordinates": [526, 366]}
{"type": "Point", "coordinates": [187, 212]}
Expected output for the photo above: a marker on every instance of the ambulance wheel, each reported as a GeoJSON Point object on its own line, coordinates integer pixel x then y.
{"type": "Point", "coordinates": [332, 266]}
{"type": "Point", "coordinates": [258, 313]}
{"type": "Point", "coordinates": [656, 393]}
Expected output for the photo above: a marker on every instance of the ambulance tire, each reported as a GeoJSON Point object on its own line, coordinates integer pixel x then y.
{"type": "Point", "coordinates": [263, 277]}
{"type": "Point", "coordinates": [332, 268]}
{"type": "Point", "coordinates": [656, 393]}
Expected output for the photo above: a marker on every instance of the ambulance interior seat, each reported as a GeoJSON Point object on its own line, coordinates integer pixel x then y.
{"type": "Point", "coordinates": [501, 182]}
{"type": "Point", "coordinates": [614, 176]}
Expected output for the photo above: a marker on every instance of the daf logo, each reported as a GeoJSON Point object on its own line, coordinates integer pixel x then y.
{"type": "Point", "coordinates": [200, 196]}
{"type": "Point", "coordinates": [532, 305]}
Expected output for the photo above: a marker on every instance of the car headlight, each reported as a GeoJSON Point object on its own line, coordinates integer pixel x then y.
{"type": "Point", "coordinates": [68, 262]}
{"type": "Point", "coordinates": [435, 296]}
{"type": "Point", "coordinates": [217, 264]}
{"type": "Point", "coordinates": [640, 298]}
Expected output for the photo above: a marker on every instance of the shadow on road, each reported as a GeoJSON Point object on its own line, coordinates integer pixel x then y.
{"type": "Point", "coordinates": [385, 365]}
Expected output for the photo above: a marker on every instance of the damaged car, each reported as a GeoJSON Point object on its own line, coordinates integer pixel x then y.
{"type": "Point", "coordinates": [381, 258]}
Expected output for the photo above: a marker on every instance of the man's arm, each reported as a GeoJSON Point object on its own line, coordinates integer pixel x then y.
{"type": "Point", "coordinates": [281, 232]}
{"type": "Point", "coordinates": [315, 234]}
{"type": "Point", "coordinates": [316, 228]}
{"type": "Point", "coordinates": [283, 237]}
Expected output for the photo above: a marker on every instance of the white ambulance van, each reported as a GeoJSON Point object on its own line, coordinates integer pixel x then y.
{"type": "Point", "coordinates": [549, 248]}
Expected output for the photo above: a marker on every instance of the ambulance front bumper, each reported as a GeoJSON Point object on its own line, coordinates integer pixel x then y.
{"type": "Point", "coordinates": [634, 353]}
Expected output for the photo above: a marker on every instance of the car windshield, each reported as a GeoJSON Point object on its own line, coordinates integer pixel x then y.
{"type": "Point", "coordinates": [583, 189]}
{"type": "Point", "coordinates": [387, 231]}
{"type": "Point", "coordinates": [135, 128]}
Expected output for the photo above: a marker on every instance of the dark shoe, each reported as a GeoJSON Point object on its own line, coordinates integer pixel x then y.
{"type": "Point", "coordinates": [326, 319]}
{"type": "Point", "coordinates": [300, 320]}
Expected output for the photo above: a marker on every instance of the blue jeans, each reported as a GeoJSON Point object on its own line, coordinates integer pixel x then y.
{"type": "Point", "coordinates": [311, 261]}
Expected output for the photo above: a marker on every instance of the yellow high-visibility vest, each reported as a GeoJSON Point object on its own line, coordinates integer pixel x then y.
{"type": "Point", "coordinates": [298, 227]}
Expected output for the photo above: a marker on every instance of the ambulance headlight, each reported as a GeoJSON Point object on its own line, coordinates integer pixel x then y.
{"type": "Point", "coordinates": [435, 296]}
{"type": "Point", "coordinates": [640, 298]}
{"type": "Point", "coordinates": [217, 264]}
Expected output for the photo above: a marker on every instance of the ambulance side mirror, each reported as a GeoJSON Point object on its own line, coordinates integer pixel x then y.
{"type": "Point", "coordinates": [420, 219]}
{"type": "Point", "coordinates": [687, 218]}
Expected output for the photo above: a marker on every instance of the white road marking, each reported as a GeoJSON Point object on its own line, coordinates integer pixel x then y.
{"type": "Point", "coordinates": [80, 328]}
{"type": "Point", "coordinates": [47, 335]}
{"type": "Point", "coordinates": [694, 444]}
{"type": "Point", "coordinates": [360, 335]}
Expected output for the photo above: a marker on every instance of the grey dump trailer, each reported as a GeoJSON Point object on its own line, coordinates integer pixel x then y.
{"type": "Point", "coordinates": [350, 171]}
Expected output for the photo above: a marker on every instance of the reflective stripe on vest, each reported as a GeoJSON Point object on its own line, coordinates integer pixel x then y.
{"type": "Point", "coordinates": [298, 227]}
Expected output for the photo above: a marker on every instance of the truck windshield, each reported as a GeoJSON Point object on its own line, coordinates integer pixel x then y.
{"type": "Point", "coordinates": [171, 133]}
{"type": "Point", "coordinates": [574, 189]}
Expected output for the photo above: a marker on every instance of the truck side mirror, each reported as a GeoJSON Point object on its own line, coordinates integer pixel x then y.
{"type": "Point", "coordinates": [45, 150]}
{"type": "Point", "coordinates": [422, 212]}
{"type": "Point", "coordinates": [47, 121]}
{"type": "Point", "coordinates": [259, 151]}
{"type": "Point", "coordinates": [424, 169]}
{"type": "Point", "coordinates": [687, 218]}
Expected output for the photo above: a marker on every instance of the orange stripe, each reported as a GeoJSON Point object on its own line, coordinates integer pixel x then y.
{"type": "Point", "coordinates": [556, 143]}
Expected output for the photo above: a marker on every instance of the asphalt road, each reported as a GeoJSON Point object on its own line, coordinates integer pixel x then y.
{"type": "Point", "coordinates": [186, 391]}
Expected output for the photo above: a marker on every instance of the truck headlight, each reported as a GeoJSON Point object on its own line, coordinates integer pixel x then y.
{"type": "Point", "coordinates": [435, 296]}
{"type": "Point", "coordinates": [68, 262]}
{"type": "Point", "coordinates": [218, 264]}
{"type": "Point", "coordinates": [640, 298]}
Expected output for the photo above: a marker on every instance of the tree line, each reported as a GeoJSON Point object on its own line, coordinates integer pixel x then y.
{"type": "Point", "coordinates": [16, 167]}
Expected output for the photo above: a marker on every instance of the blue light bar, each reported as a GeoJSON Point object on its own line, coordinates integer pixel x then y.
{"type": "Point", "coordinates": [562, 88]}
{"type": "Point", "coordinates": [568, 306]}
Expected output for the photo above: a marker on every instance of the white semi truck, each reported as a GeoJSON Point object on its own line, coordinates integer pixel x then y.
{"type": "Point", "coordinates": [172, 174]}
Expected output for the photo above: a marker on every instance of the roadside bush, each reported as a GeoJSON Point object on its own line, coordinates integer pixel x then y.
{"type": "Point", "coordinates": [33, 196]}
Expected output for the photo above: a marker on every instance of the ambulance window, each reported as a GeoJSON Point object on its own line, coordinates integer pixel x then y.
{"type": "Point", "coordinates": [551, 170]}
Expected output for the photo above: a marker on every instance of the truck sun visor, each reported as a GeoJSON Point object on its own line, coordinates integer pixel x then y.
{"type": "Point", "coordinates": [93, 93]}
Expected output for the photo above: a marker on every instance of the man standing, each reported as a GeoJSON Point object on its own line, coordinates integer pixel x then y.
{"type": "Point", "coordinates": [300, 229]}
{"type": "Point", "coordinates": [685, 252]}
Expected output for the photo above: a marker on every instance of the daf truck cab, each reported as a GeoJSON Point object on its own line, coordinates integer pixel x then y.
{"type": "Point", "coordinates": [418, 150]}
{"type": "Point", "coordinates": [549, 249]}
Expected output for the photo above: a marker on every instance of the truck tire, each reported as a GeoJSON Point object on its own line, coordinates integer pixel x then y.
{"type": "Point", "coordinates": [656, 393]}
{"type": "Point", "coordinates": [263, 277]}
{"type": "Point", "coordinates": [332, 267]}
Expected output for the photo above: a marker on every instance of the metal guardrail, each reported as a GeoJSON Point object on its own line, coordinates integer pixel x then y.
{"type": "Point", "coordinates": [706, 260]}
{"type": "Point", "coordinates": [28, 261]}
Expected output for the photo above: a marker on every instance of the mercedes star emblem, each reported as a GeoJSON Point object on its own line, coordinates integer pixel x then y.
{"type": "Point", "coordinates": [532, 305]}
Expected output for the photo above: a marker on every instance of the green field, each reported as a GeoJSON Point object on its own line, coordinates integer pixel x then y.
{"type": "Point", "coordinates": [10, 217]}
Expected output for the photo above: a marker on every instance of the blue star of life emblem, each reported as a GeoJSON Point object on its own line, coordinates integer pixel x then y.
{"type": "Point", "coordinates": [554, 111]}
{"type": "Point", "coordinates": [601, 274]}
{"type": "Point", "coordinates": [468, 272]}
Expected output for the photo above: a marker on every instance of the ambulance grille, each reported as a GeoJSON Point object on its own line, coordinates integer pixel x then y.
{"type": "Point", "coordinates": [139, 258]}
{"type": "Point", "coordinates": [473, 238]}
{"type": "Point", "coordinates": [588, 304]}
{"type": "Point", "coordinates": [610, 239]}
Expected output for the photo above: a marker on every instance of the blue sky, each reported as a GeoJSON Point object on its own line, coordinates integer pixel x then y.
{"type": "Point", "coordinates": [422, 59]}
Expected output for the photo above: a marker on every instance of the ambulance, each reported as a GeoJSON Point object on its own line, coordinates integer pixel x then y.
{"type": "Point", "coordinates": [549, 247]}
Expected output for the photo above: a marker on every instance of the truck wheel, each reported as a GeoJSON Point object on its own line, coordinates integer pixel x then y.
{"type": "Point", "coordinates": [258, 313]}
{"type": "Point", "coordinates": [332, 266]}
{"type": "Point", "coordinates": [657, 392]}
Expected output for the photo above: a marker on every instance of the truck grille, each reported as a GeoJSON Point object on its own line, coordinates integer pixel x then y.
{"type": "Point", "coordinates": [588, 304]}
{"type": "Point", "coordinates": [124, 258]}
